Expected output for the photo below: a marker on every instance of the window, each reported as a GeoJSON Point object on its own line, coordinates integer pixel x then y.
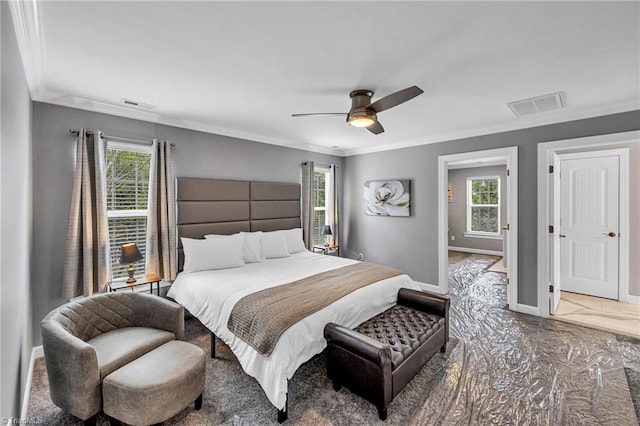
{"type": "Point", "coordinates": [127, 168]}
{"type": "Point", "coordinates": [483, 206]}
{"type": "Point", "coordinates": [321, 195]}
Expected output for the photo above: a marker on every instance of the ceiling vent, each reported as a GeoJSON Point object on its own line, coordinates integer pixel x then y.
{"type": "Point", "coordinates": [542, 103]}
{"type": "Point", "coordinates": [136, 104]}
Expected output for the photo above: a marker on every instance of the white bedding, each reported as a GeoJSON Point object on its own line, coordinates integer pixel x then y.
{"type": "Point", "coordinates": [211, 295]}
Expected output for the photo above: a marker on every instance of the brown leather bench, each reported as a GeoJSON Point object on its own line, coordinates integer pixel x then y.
{"type": "Point", "coordinates": [378, 358]}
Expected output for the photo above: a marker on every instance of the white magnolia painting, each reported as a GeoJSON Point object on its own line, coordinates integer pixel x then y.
{"type": "Point", "coordinates": [387, 197]}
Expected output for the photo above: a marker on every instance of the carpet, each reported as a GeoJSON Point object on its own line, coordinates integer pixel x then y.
{"type": "Point", "coordinates": [231, 397]}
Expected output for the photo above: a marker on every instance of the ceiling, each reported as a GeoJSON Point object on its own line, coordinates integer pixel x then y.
{"type": "Point", "coordinates": [242, 68]}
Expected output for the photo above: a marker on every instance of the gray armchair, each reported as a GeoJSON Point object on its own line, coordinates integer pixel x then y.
{"type": "Point", "coordinates": [86, 340]}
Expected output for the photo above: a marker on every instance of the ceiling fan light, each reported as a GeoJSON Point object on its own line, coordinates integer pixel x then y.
{"type": "Point", "coordinates": [361, 118]}
{"type": "Point", "coordinates": [361, 121]}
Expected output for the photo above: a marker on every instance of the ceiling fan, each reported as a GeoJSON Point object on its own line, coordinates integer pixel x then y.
{"type": "Point", "coordinates": [363, 112]}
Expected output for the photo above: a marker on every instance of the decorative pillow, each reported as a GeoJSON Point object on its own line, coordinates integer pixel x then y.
{"type": "Point", "coordinates": [295, 243]}
{"type": "Point", "coordinates": [251, 250]}
{"type": "Point", "coordinates": [274, 244]}
{"type": "Point", "coordinates": [250, 247]}
{"type": "Point", "coordinates": [216, 253]}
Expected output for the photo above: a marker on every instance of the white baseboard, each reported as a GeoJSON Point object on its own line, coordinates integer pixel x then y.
{"type": "Point", "coordinates": [476, 251]}
{"type": "Point", "coordinates": [527, 309]}
{"type": "Point", "coordinates": [429, 287]}
{"type": "Point", "coordinates": [631, 299]}
{"type": "Point", "coordinates": [36, 352]}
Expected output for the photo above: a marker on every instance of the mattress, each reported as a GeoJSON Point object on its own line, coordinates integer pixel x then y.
{"type": "Point", "coordinates": [211, 295]}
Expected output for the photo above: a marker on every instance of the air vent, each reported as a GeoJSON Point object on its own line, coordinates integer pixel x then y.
{"type": "Point", "coordinates": [542, 103]}
{"type": "Point", "coordinates": [136, 104]}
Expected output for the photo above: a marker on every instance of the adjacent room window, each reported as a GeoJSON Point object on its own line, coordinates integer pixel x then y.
{"type": "Point", "coordinates": [483, 206]}
{"type": "Point", "coordinates": [127, 168]}
{"type": "Point", "coordinates": [321, 195]}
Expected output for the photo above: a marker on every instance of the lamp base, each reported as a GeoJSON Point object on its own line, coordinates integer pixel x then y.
{"type": "Point", "coordinates": [131, 270]}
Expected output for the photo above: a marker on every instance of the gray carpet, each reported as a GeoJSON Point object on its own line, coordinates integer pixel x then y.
{"type": "Point", "coordinates": [232, 397]}
{"type": "Point", "coordinates": [509, 368]}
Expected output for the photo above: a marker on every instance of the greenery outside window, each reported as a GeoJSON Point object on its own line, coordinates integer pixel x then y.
{"type": "Point", "coordinates": [321, 196]}
{"type": "Point", "coordinates": [483, 206]}
{"type": "Point", "coordinates": [127, 180]}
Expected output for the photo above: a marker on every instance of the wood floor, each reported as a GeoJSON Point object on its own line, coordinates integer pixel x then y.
{"type": "Point", "coordinates": [600, 313]}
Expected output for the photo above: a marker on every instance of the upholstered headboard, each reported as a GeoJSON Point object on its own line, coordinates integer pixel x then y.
{"type": "Point", "coordinates": [214, 206]}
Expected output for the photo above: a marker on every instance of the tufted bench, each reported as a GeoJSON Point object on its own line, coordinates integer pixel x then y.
{"type": "Point", "coordinates": [378, 358]}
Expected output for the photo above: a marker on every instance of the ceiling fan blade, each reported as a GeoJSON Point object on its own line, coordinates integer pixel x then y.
{"type": "Point", "coordinates": [396, 98]}
{"type": "Point", "coordinates": [319, 114]}
{"type": "Point", "coordinates": [376, 128]}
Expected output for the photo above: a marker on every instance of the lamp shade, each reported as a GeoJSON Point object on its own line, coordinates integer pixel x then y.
{"type": "Point", "coordinates": [326, 230]}
{"type": "Point", "coordinates": [130, 253]}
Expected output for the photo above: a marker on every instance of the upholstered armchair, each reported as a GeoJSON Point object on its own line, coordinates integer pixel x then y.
{"type": "Point", "coordinates": [86, 340]}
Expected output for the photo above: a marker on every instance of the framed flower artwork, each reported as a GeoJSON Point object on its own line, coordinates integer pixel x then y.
{"type": "Point", "coordinates": [387, 198]}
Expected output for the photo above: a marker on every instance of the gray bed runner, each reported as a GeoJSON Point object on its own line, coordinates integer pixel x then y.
{"type": "Point", "coordinates": [260, 318]}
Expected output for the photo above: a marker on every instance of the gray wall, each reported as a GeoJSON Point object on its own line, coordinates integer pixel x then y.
{"type": "Point", "coordinates": [15, 216]}
{"type": "Point", "coordinates": [458, 208]}
{"type": "Point", "coordinates": [196, 154]}
{"type": "Point", "coordinates": [411, 243]}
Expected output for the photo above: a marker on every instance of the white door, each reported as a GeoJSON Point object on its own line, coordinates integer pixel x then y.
{"type": "Point", "coordinates": [589, 215]}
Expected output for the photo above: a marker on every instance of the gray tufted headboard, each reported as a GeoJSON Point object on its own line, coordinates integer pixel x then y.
{"type": "Point", "coordinates": [214, 206]}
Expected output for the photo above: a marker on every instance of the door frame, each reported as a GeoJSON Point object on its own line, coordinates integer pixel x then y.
{"type": "Point", "coordinates": [623, 213]}
{"type": "Point", "coordinates": [511, 156]}
{"type": "Point", "coordinates": [547, 152]}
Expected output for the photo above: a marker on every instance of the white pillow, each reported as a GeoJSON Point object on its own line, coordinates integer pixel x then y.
{"type": "Point", "coordinates": [251, 252]}
{"type": "Point", "coordinates": [274, 244]}
{"type": "Point", "coordinates": [207, 254]}
{"type": "Point", "coordinates": [295, 243]}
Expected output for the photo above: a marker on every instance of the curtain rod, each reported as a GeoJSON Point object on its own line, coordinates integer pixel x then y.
{"type": "Point", "coordinates": [120, 138]}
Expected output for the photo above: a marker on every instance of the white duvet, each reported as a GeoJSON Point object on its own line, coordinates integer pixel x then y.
{"type": "Point", "coordinates": [211, 295]}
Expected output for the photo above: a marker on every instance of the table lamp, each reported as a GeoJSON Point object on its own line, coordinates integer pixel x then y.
{"type": "Point", "coordinates": [130, 254]}
{"type": "Point", "coordinates": [326, 231]}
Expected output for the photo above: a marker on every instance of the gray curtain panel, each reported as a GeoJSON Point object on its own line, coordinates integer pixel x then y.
{"type": "Point", "coordinates": [86, 267]}
{"type": "Point", "coordinates": [307, 203]}
{"type": "Point", "coordinates": [161, 215]}
{"type": "Point", "coordinates": [336, 179]}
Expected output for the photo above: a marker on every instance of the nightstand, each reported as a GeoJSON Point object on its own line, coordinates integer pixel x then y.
{"type": "Point", "coordinates": [149, 279]}
{"type": "Point", "coordinates": [333, 250]}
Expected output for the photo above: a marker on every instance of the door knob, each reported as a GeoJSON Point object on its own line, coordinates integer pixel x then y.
{"type": "Point", "coordinates": [610, 234]}
{"type": "Point", "coordinates": [562, 236]}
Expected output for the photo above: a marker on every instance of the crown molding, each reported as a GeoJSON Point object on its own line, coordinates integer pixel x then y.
{"type": "Point", "coordinates": [50, 97]}
{"type": "Point", "coordinates": [545, 119]}
{"type": "Point", "coordinates": [28, 27]}
{"type": "Point", "coordinates": [518, 124]}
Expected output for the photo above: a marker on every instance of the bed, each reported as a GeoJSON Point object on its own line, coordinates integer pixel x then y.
{"type": "Point", "coordinates": [210, 206]}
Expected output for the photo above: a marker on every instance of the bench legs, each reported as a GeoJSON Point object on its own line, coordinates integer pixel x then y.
{"type": "Point", "coordinates": [382, 413]}
{"type": "Point", "coordinates": [443, 349]}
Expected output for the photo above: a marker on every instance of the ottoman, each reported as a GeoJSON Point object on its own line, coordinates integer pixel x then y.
{"type": "Point", "coordinates": [381, 356]}
{"type": "Point", "coordinates": [156, 386]}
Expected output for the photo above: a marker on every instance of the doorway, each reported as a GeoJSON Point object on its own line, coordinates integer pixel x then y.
{"type": "Point", "coordinates": [508, 157]}
{"type": "Point", "coordinates": [584, 227]}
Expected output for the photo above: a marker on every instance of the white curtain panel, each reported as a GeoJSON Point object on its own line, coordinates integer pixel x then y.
{"type": "Point", "coordinates": [161, 215]}
{"type": "Point", "coordinates": [334, 208]}
{"type": "Point", "coordinates": [307, 204]}
{"type": "Point", "coordinates": [86, 267]}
